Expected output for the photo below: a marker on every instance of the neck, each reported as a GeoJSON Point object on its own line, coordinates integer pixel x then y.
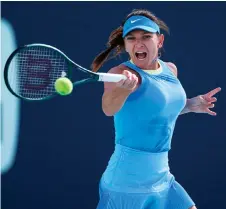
{"type": "Point", "coordinates": [153, 66]}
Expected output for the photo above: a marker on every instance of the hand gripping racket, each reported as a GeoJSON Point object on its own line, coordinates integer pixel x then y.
{"type": "Point", "coordinates": [31, 71]}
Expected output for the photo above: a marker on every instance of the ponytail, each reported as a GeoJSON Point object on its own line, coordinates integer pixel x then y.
{"type": "Point", "coordinates": [115, 43]}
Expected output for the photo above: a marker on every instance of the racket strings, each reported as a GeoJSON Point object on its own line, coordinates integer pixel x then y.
{"type": "Point", "coordinates": [33, 72]}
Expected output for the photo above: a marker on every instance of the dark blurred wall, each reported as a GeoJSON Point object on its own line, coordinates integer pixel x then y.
{"type": "Point", "coordinates": [65, 143]}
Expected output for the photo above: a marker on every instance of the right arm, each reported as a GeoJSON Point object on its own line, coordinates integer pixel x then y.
{"type": "Point", "coordinates": [115, 94]}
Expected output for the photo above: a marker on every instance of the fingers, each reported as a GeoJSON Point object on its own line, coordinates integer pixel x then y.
{"type": "Point", "coordinates": [205, 105]}
{"type": "Point", "coordinates": [213, 92]}
{"type": "Point", "coordinates": [207, 110]}
{"type": "Point", "coordinates": [209, 99]}
{"type": "Point", "coordinates": [131, 81]}
{"type": "Point", "coordinates": [211, 112]}
{"type": "Point", "coordinates": [213, 99]}
{"type": "Point", "coordinates": [210, 106]}
{"type": "Point", "coordinates": [206, 101]}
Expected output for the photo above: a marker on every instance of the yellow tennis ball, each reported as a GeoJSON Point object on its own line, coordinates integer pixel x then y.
{"type": "Point", "coordinates": [63, 86]}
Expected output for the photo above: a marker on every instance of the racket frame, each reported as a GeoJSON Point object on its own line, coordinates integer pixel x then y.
{"type": "Point", "coordinates": [92, 76]}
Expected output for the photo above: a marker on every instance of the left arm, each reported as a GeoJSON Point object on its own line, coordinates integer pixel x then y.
{"type": "Point", "coordinates": [198, 104]}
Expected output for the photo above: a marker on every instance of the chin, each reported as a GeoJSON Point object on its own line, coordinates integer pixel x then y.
{"type": "Point", "coordinates": [143, 64]}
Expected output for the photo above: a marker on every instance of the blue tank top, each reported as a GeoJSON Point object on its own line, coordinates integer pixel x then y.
{"type": "Point", "coordinates": [147, 119]}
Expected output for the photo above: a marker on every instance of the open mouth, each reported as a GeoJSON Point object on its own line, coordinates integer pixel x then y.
{"type": "Point", "coordinates": [141, 55]}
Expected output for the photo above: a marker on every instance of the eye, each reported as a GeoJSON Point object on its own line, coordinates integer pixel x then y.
{"type": "Point", "coordinates": [147, 37]}
{"type": "Point", "coordinates": [130, 38]}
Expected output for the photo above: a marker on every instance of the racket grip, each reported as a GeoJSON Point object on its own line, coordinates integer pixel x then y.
{"type": "Point", "coordinates": [109, 77]}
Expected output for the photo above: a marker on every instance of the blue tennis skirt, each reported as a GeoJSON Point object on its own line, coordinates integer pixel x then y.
{"type": "Point", "coordinates": [137, 179]}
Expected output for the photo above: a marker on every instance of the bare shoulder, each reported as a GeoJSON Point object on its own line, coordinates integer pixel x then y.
{"type": "Point", "coordinates": [172, 67]}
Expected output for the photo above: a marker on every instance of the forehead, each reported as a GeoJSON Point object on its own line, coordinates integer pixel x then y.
{"type": "Point", "coordinates": [138, 32]}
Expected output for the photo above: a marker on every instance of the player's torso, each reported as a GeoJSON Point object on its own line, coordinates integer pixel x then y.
{"type": "Point", "coordinates": [147, 119]}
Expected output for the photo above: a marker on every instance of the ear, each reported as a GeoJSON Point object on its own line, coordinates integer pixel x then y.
{"type": "Point", "coordinates": [161, 40]}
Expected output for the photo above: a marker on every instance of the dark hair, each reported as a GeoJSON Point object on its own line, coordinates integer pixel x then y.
{"type": "Point", "coordinates": [116, 42]}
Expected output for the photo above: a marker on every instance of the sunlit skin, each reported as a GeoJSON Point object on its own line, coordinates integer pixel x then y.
{"type": "Point", "coordinates": [142, 41]}
{"type": "Point", "coordinates": [203, 103]}
{"type": "Point", "coordinates": [148, 44]}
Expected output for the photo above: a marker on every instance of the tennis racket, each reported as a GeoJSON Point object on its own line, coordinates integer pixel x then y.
{"type": "Point", "coordinates": [31, 71]}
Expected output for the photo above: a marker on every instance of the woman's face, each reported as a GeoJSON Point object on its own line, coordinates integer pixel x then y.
{"type": "Point", "coordinates": [143, 47]}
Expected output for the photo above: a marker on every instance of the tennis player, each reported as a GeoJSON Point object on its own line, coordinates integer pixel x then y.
{"type": "Point", "coordinates": [145, 107]}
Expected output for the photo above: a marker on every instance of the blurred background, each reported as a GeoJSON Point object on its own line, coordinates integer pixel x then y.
{"type": "Point", "coordinates": [50, 160]}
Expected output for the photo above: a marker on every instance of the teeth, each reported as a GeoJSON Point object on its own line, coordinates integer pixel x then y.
{"type": "Point", "coordinates": [140, 53]}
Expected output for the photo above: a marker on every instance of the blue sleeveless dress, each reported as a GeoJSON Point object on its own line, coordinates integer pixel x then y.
{"type": "Point", "coordinates": [138, 174]}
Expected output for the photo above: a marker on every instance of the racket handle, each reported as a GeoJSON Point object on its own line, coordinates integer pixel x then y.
{"type": "Point", "coordinates": [109, 77]}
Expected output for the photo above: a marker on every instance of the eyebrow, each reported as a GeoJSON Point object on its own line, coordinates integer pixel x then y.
{"type": "Point", "coordinates": [146, 32]}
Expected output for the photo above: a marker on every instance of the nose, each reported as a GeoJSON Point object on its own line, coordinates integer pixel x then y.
{"type": "Point", "coordinates": [139, 43]}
